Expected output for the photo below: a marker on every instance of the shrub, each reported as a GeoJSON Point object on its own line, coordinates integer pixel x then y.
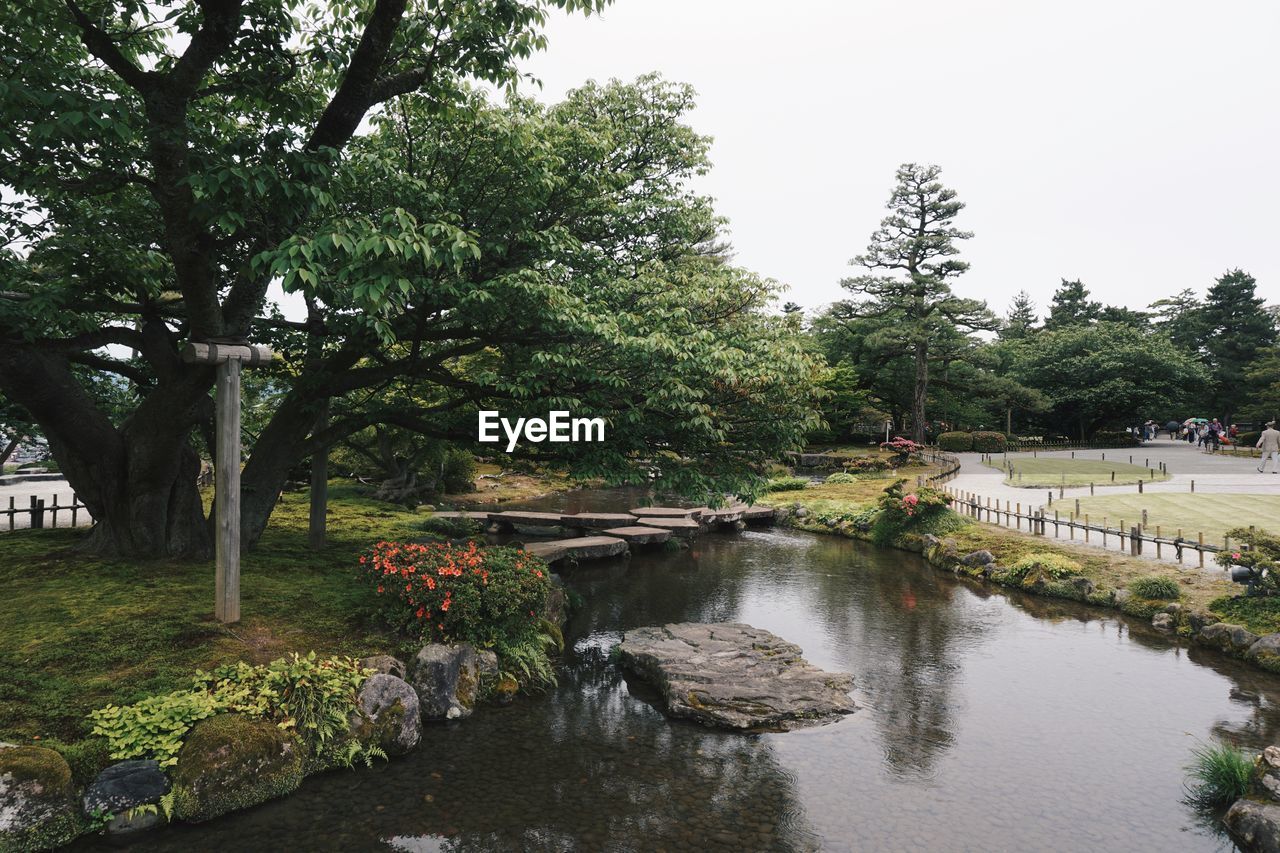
{"type": "Point", "coordinates": [492, 598]}
{"type": "Point", "coordinates": [457, 471]}
{"type": "Point", "coordinates": [785, 484]}
{"type": "Point", "coordinates": [902, 451]}
{"type": "Point", "coordinates": [1115, 438]}
{"type": "Point", "coordinates": [841, 477]}
{"type": "Point", "coordinates": [989, 442]}
{"type": "Point", "coordinates": [1220, 775]}
{"type": "Point", "coordinates": [1247, 439]}
{"type": "Point", "coordinates": [457, 527]}
{"type": "Point", "coordinates": [955, 442]}
{"type": "Point", "coordinates": [865, 465]}
{"type": "Point", "coordinates": [901, 513]}
{"type": "Point", "coordinates": [1258, 552]}
{"type": "Point", "coordinates": [154, 727]}
{"type": "Point", "coordinates": [1042, 566]}
{"type": "Point", "coordinates": [1155, 588]}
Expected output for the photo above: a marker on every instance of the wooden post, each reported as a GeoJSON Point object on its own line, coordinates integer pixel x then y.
{"type": "Point", "coordinates": [12, 512]}
{"type": "Point", "coordinates": [1158, 555]}
{"type": "Point", "coordinates": [1091, 489]}
{"type": "Point", "coordinates": [227, 494]}
{"type": "Point", "coordinates": [54, 513]}
{"type": "Point", "coordinates": [1086, 527]}
{"type": "Point", "coordinates": [1139, 487]}
{"type": "Point", "coordinates": [319, 485]}
{"type": "Point", "coordinates": [1144, 518]}
{"type": "Point", "coordinates": [229, 356]}
{"type": "Point", "coordinates": [1200, 550]}
{"type": "Point", "coordinates": [37, 513]}
{"type": "Point", "coordinates": [1193, 487]}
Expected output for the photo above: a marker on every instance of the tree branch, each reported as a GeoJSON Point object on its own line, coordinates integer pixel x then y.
{"type": "Point", "coordinates": [103, 48]}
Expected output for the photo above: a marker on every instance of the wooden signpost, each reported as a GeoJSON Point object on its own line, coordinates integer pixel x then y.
{"type": "Point", "coordinates": [229, 358]}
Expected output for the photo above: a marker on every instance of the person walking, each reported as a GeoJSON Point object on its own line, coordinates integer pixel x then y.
{"type": "Point", "coordinates": [1211, 436]}
{"type": "Point", "coordinates": [1269, 441]}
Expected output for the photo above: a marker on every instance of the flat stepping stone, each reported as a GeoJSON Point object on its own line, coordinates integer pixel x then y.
{"type": "Point", "coordinates": [678, 526]}
{"type": "Point", "coordinates": [639, 535]}
{"type": "Point", "coordinates": [548, 551]}
{"type": "Point", "coordinates": [647, 512]}
{"type": "Point", "coordinates": [759, 513]}
{"type": "Point", "coordinates": [727, 515]}
{"type": "Point", "coordinates": [537, 519]}
{"type": "Point", "coordinates": [735, 676]}
{"type": "Point", "coordinates": [583, 548]}
{"type": "Point", "coordinates": [597, 520]}
{"type": "Point", "coordinates": [473, 516]}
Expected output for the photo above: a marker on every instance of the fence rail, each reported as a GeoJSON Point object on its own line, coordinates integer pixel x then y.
{"type": "Point", "coordinates": [39, 512]}
{"type": "Point", "coordinates": [1130, 537]}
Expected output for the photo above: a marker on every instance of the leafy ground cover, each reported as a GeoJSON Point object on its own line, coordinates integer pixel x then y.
{"type": "Point", "coordinates": [1032, 472]}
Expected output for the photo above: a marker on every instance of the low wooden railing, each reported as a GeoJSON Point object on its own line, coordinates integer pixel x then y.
{"type": "Point", "coordinates": [39, 512]}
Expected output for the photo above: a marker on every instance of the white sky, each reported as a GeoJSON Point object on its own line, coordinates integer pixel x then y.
{"type": "Point", "coordinates": [1130, 143]}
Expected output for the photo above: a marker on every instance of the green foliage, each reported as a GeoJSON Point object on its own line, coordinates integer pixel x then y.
{"type": "Point", "coordinates": [989, 442]}
{"type": "Point", "coordinates": [1155, 588]}
{"type": "Point", "coordinates": [312, 696]}
{"type": "Point", "coordinates": [1258, 551]}
{"type": "Point", "coordinates": [457, 527]}
{"type": "Point", "coordinates": [840, 477]}
{"type": "Point", "coordinates": [955, 442]}
{"type": "Point", "coordinates": [900, 512]}
{"type": "Point", "coordinates": [785, 484]}
{"type": "Point", "coordinates": [1040, 567]}
{"type": "Point", "coordinates": [1219, 774]}
{"type": "Point", "coordinates": [458, 471]}
{"type": "Point", "coordinates": [1248, 439]}
{"type": "Point", "coordinates": [154, 727]}
{"type": "Point", "coordinates": [1114, 438]}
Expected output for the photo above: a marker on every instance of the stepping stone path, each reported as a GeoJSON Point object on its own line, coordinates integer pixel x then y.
{"type": "Point", "coordinates": [679, 526]}
{"type": "Point", "coordinates": [647, 512]}
{"type": "Point", "coordinates": [639, 535]}
{"type": "Point", "coordinates": [597, 520]}
{"type": "Point", "coordinates": [735, 676]}
{"type": "Point", "coordinates": [474, 516]}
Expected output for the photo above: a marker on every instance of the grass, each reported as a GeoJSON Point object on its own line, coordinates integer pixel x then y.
{"type": "Point", "coordinates": [1211, 514]}
{"type": "Point", "coordinates": [1220, 775]}
{"type": "Point", "coordinates": [81, 631]}
{"type": "Point", "coordinates": [1035, 473]}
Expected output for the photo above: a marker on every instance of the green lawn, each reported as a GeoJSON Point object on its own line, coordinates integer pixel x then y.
{"type": "Point", "coordinates": [1033, 473]}
{"type": "Point", "coordinates": [1211, 514]}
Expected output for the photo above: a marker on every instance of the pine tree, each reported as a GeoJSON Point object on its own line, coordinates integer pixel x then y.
{"type": "Point", "coordinates": [1071, 307]}
{"type": "Point", "coordinates": [1021, 319]}
{"type": "Point", "coordinates": [1237, 327]}
{"type": "Point", "coordinates": [909, 261]}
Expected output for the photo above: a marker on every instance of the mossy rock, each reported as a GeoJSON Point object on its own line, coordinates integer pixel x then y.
{"type": "Point", "coordinates": [1143, 608]}
{"type": "Point", "coordinates": [38, 807]}
{"type": "Point", "coordinates": [232, 762]}
{"type": "Point", "coordinates": [1265, 652]}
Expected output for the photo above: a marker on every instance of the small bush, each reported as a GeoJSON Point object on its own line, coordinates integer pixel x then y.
{"type": "Point", "coordinates": [1258, 551]}
{"type": "Point", "coordinates": [955, 442]}
{"type": "Point", "coordinates": [841, 477]}
{"type": "Point", "coordinates": [785, 484]}
{"type": "Point", "coordinates": [1220, 775]}
{"type": "Point", "coordinates": [989, 442]}
{"type": "Point", "coordinates": [453, 527]}
{"type": "Point", "coordinates": [1247, 439]}
{"type": "Point", "coordinates": [901, 513]}
{"type": "Point", "coordinates": [1042, 566]}
{"type": "Point", "coordinates": [457, 471]}
{"type": "Point", "coordinates": [902, 451]}
{"type": "Point", "coordinates": [1115, 438]}
{"type": "Point", "coordinates": [1155, 588]}
{"type": "Point", "coordinates": [866, 465]}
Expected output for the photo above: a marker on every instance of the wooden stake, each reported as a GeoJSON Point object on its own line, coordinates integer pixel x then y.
{"type": "Point", "coordinates": [227, 493]}
{"type": "Point", "coordinates": [318, 518]}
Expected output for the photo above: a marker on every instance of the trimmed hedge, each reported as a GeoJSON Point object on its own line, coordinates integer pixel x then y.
{"type": "Point", "coordinates": [1118, 438]}
{"type": "Point", "coordinates": [955, 442]}
{"type": "Point", "coordinates": [1247, 439]}
{"type": "Point", "coordinates": [988, 442]}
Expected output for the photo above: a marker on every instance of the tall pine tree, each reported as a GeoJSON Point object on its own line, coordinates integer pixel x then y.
{"type": "Point", "coordinates": [1236, 328]}
{"type": "Point", "coordinates": [1021, 319]}
{"type": "Point", "coordinates": [1071, 307]}
{"type": "Point", "coordinates": [909, 261]}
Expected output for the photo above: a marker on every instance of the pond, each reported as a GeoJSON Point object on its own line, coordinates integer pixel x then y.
{"type": "Point", "coordinates": [987, 721]}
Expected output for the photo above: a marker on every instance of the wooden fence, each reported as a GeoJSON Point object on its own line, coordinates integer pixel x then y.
{"type": "Point", "coordinates": [1131, 537]}
{"type": "Point", "coordinates": [39, 512]}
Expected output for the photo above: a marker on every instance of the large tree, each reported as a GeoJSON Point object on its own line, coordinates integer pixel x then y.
{"type": "Point", "coordinates": [910, 262]}
{"type": "Point", "coordinates": [1237, 328]}
{"type": "Point", "coordinates": [1021, 319]}
{"type": "Point", "coordinates": [1071, 306]}
{"type": "Point", "coordinates": [173, 163]}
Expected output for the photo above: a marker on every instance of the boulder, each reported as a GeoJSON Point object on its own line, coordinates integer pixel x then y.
{"type": "Point", "coordinates": [385, 664]}
{"type": "Point", "coordinates": [446, 679]}
{"type": "Point", "coordinates": [38, 809]}
{"type": "Point", "coordinates": [1269, 773]}
{"type": "Point", "coordinates": [1255, 825]}
{"type": "Point", "coordinates": [556, 608]}
{"type": "Point", "coordinates": [121, 789]}
{"type": "Point", "coordinates": [230, 762]}
{"type": "Point", "coordinates": [1083, 586]}
{"type": "Point", "coordinates": [1163, 622]}
{"type": "Point", "coordinates": [1265, 652]}
{"type": "Point", "coordinates": [388, 714]}
{"type": "Point", "coordinates": [733, 675]}
{"type": "Point", "coordinates": [978, 558]}
{"type": "Point", "coordinates": [1232, 639]}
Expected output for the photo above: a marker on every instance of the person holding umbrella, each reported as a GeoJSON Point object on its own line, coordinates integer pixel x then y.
{"type": "Point", "coordinates": [1172, 427]}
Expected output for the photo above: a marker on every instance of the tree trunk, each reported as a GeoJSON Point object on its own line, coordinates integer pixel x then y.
{"type": "Point", "coordinates": [8, 449]}
{"type": "Point", "coordinates": [921, 389]}
{"type": "Point", "coordinates": [281, 447]}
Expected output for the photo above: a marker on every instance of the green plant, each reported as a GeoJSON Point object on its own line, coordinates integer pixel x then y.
{"type": "Point", "coordinates": [785, 484]}
{"type": "Point", "coordinates": [955, 442]}
{"type": "Point", "coordinates": [1220, 775]}
{"type": "Point", "coordinates": [1260, 553]}
{"type": "Point", "coordinates": [841, 477]}
{"type": "Point", "coordinates": [989, 442]}
{"type": "Point", "coordinates": [1042, 566]}
{"type": "Point", "coordinates": [1247, 439]}
{"type": "Point", "coordinates": [529, 661]}
{"type": "Point", "coordinates": [457, 471]}
{"type": "Point", "coordinates": [453, 528]}
{"type": "Point", "coordinates": [155, 726]}
{"type": "Point", "coordinates": [1155, 587]}
{"type": "Point", "coordinates": [900, 512]}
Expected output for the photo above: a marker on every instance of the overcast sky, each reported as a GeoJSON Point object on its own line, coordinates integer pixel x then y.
{"type": "Point", "coordinates": [1133, 145]}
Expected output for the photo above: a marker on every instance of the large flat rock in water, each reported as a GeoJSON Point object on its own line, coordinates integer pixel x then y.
{"type": "Point", "coordinates": [597, 520]}
{"type": "Point", "coordinates": [735, 676]}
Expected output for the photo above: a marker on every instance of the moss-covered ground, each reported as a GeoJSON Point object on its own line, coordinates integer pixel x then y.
{"type": "Point", "coordinates": [81, 631]}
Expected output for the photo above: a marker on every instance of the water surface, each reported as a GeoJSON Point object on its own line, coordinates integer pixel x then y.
{"type": "Point", "coordinates": [988, 721]}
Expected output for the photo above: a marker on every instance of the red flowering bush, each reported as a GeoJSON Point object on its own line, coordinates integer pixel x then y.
{"type": "Point", "coordinates": [903, 450]}
{"type": "Point", "coordinates": [1260, 554]}
{"type": "Point", "coordinates": [901, 512]}
{"type": "Point", "coordinates": [489, 597]}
